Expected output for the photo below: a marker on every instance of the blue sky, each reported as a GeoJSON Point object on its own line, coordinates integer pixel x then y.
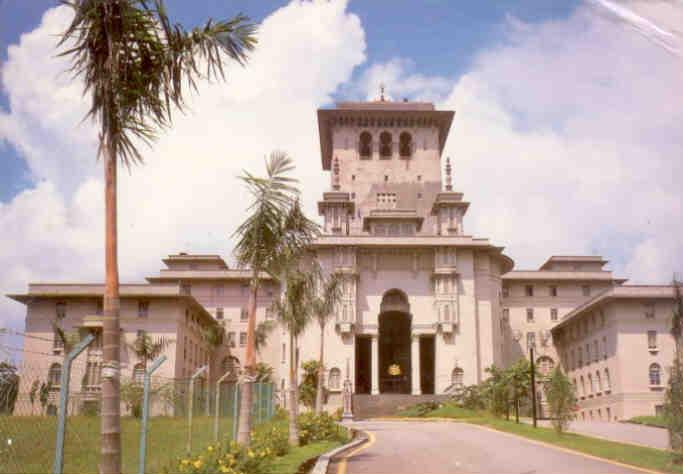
{"type": "Point", "coordinates": [412, 29]}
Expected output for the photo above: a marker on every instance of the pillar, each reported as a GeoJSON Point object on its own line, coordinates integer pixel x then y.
{"type": "Point", "coordinates": [415, 363]}
{"type": "Point", "coordinates": [375, 365]}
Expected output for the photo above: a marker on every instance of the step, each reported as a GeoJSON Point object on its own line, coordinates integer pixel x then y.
{"type": "Point", "coordinates": [370, 406]}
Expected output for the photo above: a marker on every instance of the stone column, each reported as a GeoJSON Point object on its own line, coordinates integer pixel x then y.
{"type": "Point", "coordinates": [415, 364]}
{"type": "Point", "coordinates": [375, 365]}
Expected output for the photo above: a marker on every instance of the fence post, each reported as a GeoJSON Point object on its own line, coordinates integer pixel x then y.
{"type": "Point", "coordinates": [58, 466]}
{"type": "Point", "coordinates": [197, 373]}
{"type": "Point", "coordinates": [145, 411]}
{"type": "Point", "coordinates": [218, 405]}
{"type": "Point", "coordinates": [235, 410]}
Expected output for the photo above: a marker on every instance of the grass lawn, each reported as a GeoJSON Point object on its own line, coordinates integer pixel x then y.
{"type": "Point", "coordinates": [648, 458]}
{"type": "Point", "coordinates": [33, 442]}
{"type": "Point", "coordinates": [657, 421]}
{"type": "Point", "coordinates": [289, 463]}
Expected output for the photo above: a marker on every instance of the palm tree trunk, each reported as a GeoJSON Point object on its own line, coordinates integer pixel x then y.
{"type": "Point", "coordinates": [293, 398]}
{"type": "Point", "coordinates": [111, 407]}
{"type": "Point", "coordinates": [244, 428]}
{"type": "Point", "coordinates": [321, 373]}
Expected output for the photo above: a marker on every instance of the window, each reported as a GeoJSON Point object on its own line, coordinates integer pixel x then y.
{"type": "Point", "coordinates": [572, 360]}
{"type": "Point", "coordinates": [385, 145]}
{"type": "Point", "coordinates": [386, 200]}
{"type": "Point", "coordinates": [553, 314]}
{"type": "Point", "coordinates": [652, 340]}
{"type": "Point", "coordinates": [405, 145]}
{"type": "Point", "coordinates": [230, 364]}
{"type": "Point", "coordinates": [609, 413]}
{"type": "Point", "coordinates": [580, 356]}
{"type": "Point", "coordinates": [446, 313]}
{"type": "Point", "coordinates": [284, 353]}
{"type": "Point", "coordinates": [419, 177]}
{"type": "Point", "coordinates": [334, 382]}
{"type": "Point", "coordinates": [649, 309]}
{"type": "Point", "coordinates": [583, 387]}
{"type": "Point", "coordinates": [141, 334]}
{"type": "Point", "coordinates": [529, 290]}
{"type": "Point", "coordinates": [244, 315]}
{"type": "Point", "coordinates": [596, 351]}
{"type": "Point", "coordinates": [553, 291]}
{"type": "Point", "coordinates": [219, 313]}
{"type": "Point", "coordinates": [99, 310]}
{"type": "Point", "coordinates": [607, 382]}
{"type": "Point", "coordinates": [586, 290]}
{"type": "Point", "coordinates": [457, 378]}
{"type": "Point", "coordinates": [530, 339]}
{"type": "Point", "coordinates": [545, 365]}
{"type": "Point", "coordinates": [231, 339]}
{"type": "Point", "coordinates": [506, 314]}
{"type": "Point", "coordinates": [365, 145]}
{"type": "Point", "coordinates": [602, 319]}
{"type": "Point", "coordinates": [243, 339]}
{"type": "Point", "coordinates": [529, 315]}
{"type": "Point", "coordinates": [655, 374]}
{"type": "Point", "coordinates": [598, 381]}
{"type": "Point", "coordinates": [604, 347]}
{"type": "Point", "coordinates": [60, 310]}
{"type": "Point", "coordinates": [92, 374]}
{"type": "Point", "coordinates": [588, 354]}
{"type": "Point", "coordinates": [186, 288]}
{"type": "Point", "coordinates": [506, 291]}
{"type": "Point", "coordinates": [591, 384]}
{"type": "Point", "coordinates": [143, 309]}
{"type": "Point", "coordinates": [139, 373]}
{"type": "Point", "coordinates": [54, 375]}
{"type": "Point", "coordinates": [218, 289]}
{"type": "Point", "coordinates": [57, 341]}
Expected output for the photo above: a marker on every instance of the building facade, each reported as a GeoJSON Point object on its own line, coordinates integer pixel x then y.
{"type": "Point", "coordinates": [426, 308]}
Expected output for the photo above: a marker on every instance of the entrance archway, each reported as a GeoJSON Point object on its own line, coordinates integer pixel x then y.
{"type": "Point", "coordinates": [394, 343]}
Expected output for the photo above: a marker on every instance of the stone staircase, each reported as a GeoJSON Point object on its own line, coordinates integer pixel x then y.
{"type": "Point", "coordinates": [370, 406]}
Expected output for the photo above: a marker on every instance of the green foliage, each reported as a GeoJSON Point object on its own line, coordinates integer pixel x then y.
{"type": "Point", "coordinates": [673, 408]}
{"type": "Point", "coordinates": [497, 391]}
{"type": "Point", "coordinates": [273, 437]}
{"type": "Point", "coordinates": [147, 348]}
{"type": "Point", "coordinates": [132, 394]}
{"type": "Point", "coordinates": [228, 458]}
{"type": "Point", "coordinates": [264, 372]}
{"type": "Point", "coordinates": [421, 409]}
{"type": "Point", "coordinates": [308, 385]}
{"type": "Point", "coordinates": [44, 394]}
{"type": "Point", "coordinates": [472, 397]}
{"type": "Point", "coordinates": [561, 399]}
{"type": "Point", "coordinates": [658, 421]}
{"type": "Point", "coordinates": [263, 330]}
{"type": "Point", "coordinates": [320, 427]}
{"type": "Point", "coordinates": [9, 387]}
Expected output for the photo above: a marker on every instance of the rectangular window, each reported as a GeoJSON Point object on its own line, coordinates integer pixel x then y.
{"type": "Point", "coordinates": [652, 339]}
{"type": "Point", "coordinates": [231, 339]}
{"type": "Point", "coordinates": [530, 340]}
{"type": "Point", "coordinates": [143, 309]}
{"type": "Point", "coordinates": [186, 288]}
{"type": "Point", "coordinates": [243, 339]}
{"type": "Point", "coordinates": [529, 315]}
{"type": "Point", "coordinates": [580, 358]}
{"type": "Point", "coordinates": [99, 310]}
{"type": "Point", "coordinates": [284, 353]}
{"type": "Point", "coordinates": [506, 314]}
{"type": "Point", "coordinates": [219, 313]}
{"type": "Point", "coordinates": [57, 341]}
{"type": "Point", "coordinates": [586, 290]}
{"type": "Point", "coordinates": [553, 291]}
{"type": "Point", "coordinates": [244, 289]}
{"type": "Point", "coordinates": [553, 314]}
{"type": "Point", "coordinates": [218, 290]}
{"type": "Point", "coordinates": [649, 309]}
{"type": "Point", "coordinates": [529, 290]}
{"type": "Point", "coordinates": [604, 347]}
{"type": "Point", "coordinates": [596, 351]}
{"type": "Point", "coordinates": [588, 354]}
{"type": "Point", "coordinates": [60, 310]}
{"type": "Point", "coordinates": [506, 291]}
{"type": "Point", "coordinates": [572, 363]}
{"type": "Point", "coordinates": [244, 315]}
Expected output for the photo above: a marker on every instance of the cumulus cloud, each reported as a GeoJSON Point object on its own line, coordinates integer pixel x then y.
{"type": "Point", "coordinates": [186, 196]}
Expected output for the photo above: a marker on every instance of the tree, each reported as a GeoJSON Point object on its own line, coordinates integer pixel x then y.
{"type": "Point", "coordinates": [146, 348]}
{"type": "Point", "coordinates": [519, 377]}
{"type": "Point", "coordinates": [323, 306]}
{"type": "Point", "coordinates": [264, 372]}
{"type": "Point", "coordinates": [33, 392]}
{"type": "Point", "coordinates": [44, 395]}
{"type": "Point", "coordinates": [9, 387]}
{"type": "Point", "coordinates": [137, 68]}
{"type": "Point", "coordinates": [274, 230]}
{"type": "Point", "coordinates": [673, 407]}
{"type": "Point", "coordinates": [263, 330]}
{"type": "Point", "coordinates": [309, 390]}
{"type": "Point", "coordinates": [497, 391]}
{"type": "Point", "coordinates": [561, 399]}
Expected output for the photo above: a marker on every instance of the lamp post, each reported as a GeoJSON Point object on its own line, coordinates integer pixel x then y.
{"type": "Point", "coordinates": [533, 385]}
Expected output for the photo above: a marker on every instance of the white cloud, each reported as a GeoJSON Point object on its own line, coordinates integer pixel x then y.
{"type": "Point", "coordinates": [186, 196]}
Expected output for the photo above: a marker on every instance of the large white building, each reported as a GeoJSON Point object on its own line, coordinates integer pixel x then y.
{"type": "Point", "coordinates": [420, 295]}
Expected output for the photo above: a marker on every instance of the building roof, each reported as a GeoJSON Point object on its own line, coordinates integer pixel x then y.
{"type": "Point", "coordinates": [171, 275]}
{"type": "Point", "coordinates": [538, 275]}
{"type": "Point", "coordinates": [194, 258]}
{"type": "Point", "coordinates": [380, 113]}
{"type": "Point", "coordinates": [93, 290]}
{"type": "Point", "coordinates": [618, 292]}
{"type": "Point", "coordinates": [573, 259]}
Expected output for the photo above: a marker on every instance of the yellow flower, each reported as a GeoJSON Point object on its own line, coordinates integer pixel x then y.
{"type": "Point", "coordinates": [197, 464]}
{"type": "Point", "coordinates": [250, 453]}
{"type": "Point", "coordinates": [185, 462]}
{"type": "Point", "coordinates": [210, 449]}
{"type": "Point", "coordinates": [224, 469]}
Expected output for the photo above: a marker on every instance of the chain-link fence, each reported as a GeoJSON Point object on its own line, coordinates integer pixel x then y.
{"type": "Point", "coordinates": [183, 414]}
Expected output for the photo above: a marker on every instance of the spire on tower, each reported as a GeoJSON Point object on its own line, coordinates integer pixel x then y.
{"type": "Point", "coordinates": [335, 174]}
{"type": "Point", "coordinates": [381, 92]}
{"type": "Point", "coordinates": [449, 183]}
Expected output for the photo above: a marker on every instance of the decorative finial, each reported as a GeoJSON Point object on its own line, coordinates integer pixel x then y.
{"type": "Point", "coordinates": [335, 174]}
{"type": "Point", "coordinates": [381, 92]}
{"type": "Point", "coordinates": [449, 183]}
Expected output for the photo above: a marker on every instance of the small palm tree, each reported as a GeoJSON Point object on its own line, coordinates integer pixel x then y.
{"type": "Point", "coordinates": [323, 306]}
{"type": "Point", "coordinates": [263, 330]}
{"type": "Point", "coordinates": [137, 67]}
{"type": "Point", "coordinates": [147, 348]}
{"type": "Point", "coordinates": [274, 228]}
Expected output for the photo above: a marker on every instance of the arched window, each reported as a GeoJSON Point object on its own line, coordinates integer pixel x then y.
{"type": "Point", "coordinates": [54, 375]}
{"type": "Point", "coordinates": [591, 386]}
{"type": "Point", "coordinates": [545, 365]}
{"type": "Point", "coordinates": [230, 364]}
{"type": "Point", "coordinates": [385, 145]}
{"type": "Point", "coordinates": [446, 313]}
{"type": "Point", "coordinates": [405, 145]}
{"type": "Point", "coordinates": [334, 382]}
{"type": "Point", "coordinates": [598, 380]}
{"type": "Point", "coordinates": [457, 377]}
{"type": "Point", "coordinates": [655, 374]}
{"type": "Point", "coordinates": [139, 373]}
{"type": "Point", "coordinates": [365, 145]}
{"type": "Point", "coordinates": [583, 387]}
{"type": "Point", "coordinates": [607, 383]}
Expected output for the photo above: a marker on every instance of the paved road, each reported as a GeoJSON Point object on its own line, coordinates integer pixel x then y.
{"type": "Point", "coordinates": [624, 432]}
{"type": "Point", "coordinates": [459, 448]}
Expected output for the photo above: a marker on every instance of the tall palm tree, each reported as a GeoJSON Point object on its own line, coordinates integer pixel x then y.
{"type": "Point", "coordinates": [137, 67]}
{"type": "Point", "coordinates": [294, 310]}
{"type": "Point", "coordinates": [274, 228]}
{"type": "Point", "coordinates": [323, 306]}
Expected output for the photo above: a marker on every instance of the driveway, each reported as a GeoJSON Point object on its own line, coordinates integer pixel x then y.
{"type": "Point", "coordinates": [623, 432]}
{"type": "Point", "coordinates": [398, 447]}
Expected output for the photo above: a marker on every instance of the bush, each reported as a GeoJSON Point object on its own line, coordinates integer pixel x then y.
{"type": "Point", "coordinates": [561, 400]}
{"type": "Point", "coordinates": [421, 409]}
{"type": "Point", "coordinates": [321, 427]}
{"type": "Point", "coordinates": [232, 458]}
{"type": "Point", "coordinates": [273, 437]}
{"type": "Point", "coordinates": [308, 388]}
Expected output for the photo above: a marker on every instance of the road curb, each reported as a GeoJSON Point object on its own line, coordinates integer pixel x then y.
{"type": "Point", "coordinates": [324, 459]}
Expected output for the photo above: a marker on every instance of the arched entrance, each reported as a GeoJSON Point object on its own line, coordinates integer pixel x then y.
{"type": "Point", "coordinates": [394, 343]}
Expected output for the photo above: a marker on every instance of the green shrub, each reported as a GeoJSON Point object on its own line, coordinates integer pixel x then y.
{"type": "Point", "coordinates": [421, 409]}
{"type": "Point", "coordinates": [321, 427]}
{"type": "Point", "coordinates": [273, 437]}
{"type": "Point", "coordinates": [226, 459]}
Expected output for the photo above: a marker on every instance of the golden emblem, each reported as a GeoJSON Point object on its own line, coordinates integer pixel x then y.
{"type": "Point", "coordinates": [394, 369]}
